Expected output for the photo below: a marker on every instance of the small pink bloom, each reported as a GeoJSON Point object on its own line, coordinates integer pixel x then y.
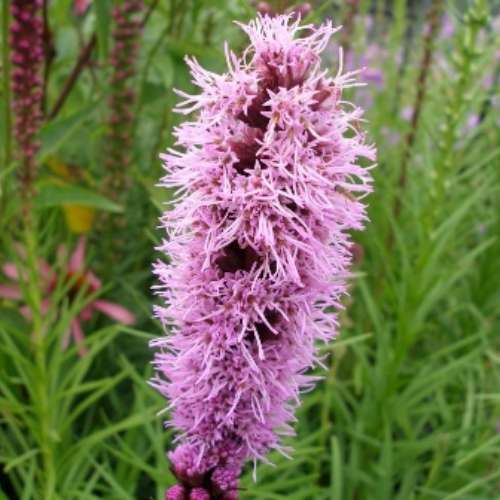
{"type": "Point", "coordinates": [199, 494]}
{"type": "Point", "coordinates": [176, 492]}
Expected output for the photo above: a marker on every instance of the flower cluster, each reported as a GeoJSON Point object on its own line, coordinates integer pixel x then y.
{"type": "Point", "coordinates": [269, 180]}
{"type": "Point", "coordinates": [26, 42]}
{"type": "Point", "coordinates": [123, 56]}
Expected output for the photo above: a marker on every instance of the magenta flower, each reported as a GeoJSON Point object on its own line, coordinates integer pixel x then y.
{"type": "Point", "coordinates": [268, 178]}
{"type": "Point", "coordinates": [82, 281]}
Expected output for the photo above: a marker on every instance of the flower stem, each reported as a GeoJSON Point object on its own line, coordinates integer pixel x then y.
{"type": "Point", "coordinates": [42, 403]}
{"type": "Point", "coordinates": [425, 65]}
{"type": "Point", "coordinates": [80, 64]}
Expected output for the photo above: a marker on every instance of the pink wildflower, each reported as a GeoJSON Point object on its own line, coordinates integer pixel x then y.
{"type": "Point", "coordinates": [82, 280]}
{"type": "Point", "coordinates": [269, 182]}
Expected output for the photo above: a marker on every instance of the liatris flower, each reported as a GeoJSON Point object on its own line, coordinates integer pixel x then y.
{"type": "Point", "coordinates": [82, 281]}
{"type": "Point", "coordinates": [123, 56]}
{"type": "Point", "coordinates": [268, 180]}
{"type": "Point", "coordinates": [26, 42]}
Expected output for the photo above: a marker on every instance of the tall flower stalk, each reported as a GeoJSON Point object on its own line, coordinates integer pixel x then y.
{"type": "Point", "coordinates": [123, 57]}
{"type": "Point", "coordinates": [26, 44]}
{"type": "Point", "coordinates": [269, 183]}
{"type": "Point", "coordinates": [434, 17]}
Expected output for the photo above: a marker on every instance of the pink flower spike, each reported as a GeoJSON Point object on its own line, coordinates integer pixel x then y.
{"type": "Point", "coordinates": [270, 179]}
{"type": "Point", "coordinates": [26, 43]}
{"type": "Point", "coordinates": [115, 311]}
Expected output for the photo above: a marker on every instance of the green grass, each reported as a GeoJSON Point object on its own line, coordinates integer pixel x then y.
{"type": "Point", "coordinates": [409, 406]}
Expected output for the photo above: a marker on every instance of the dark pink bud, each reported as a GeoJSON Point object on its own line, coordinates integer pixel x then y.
{"type": "Point", "coordinates": [199, 494]}
{"type": "Point", "coordinates": [176, 492]}
{"type": "Point", "coordinates": [264, 8]}
{"type": "Point", "coordinates": [357, 253]}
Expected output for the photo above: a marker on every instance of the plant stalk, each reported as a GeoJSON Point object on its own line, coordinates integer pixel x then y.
{"type": "Point", "coordinates": [425, 66]}
{"type": "Point", "coordinates": [42, 403]}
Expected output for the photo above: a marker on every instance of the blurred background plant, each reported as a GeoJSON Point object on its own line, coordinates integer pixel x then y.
{"type": "Point", "coordinates": [410, 405]}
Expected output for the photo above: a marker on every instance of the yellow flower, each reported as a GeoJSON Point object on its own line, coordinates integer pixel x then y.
{"type": "Point", "coordinates": [79, 218]}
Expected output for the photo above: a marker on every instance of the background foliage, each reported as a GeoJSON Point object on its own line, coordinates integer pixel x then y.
{"type": "Point", "coordinates": [409, 407]}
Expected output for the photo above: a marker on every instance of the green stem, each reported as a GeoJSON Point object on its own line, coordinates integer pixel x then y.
{"type": "Point", "coordinates": [6, 84]}
{"type": "Point", "coordinates": [42, 403]}
{"type": "Point", "coordinates": [434, 18]}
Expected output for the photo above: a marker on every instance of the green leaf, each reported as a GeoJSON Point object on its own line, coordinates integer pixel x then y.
{"type": "Point", "coordinates": [56, 195]}
{"type": "Point", "coordinates": [103, 12]}
{"type": "Point", "coordinates": [336, 470]}
{"type": "Point", "coordinates": [181, 48]}
{"type": "Point", "coordinates": [55, 133]}
{"type": "Point", "coordinates": [20, 459]}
